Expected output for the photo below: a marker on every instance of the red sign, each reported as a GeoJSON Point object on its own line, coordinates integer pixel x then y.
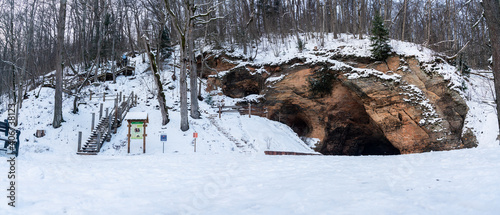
{"type": "Point", "coordinates": [195, 135]}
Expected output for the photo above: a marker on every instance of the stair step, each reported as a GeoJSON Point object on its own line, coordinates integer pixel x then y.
{"type": "Point", "coordinates": [86, 153]}
{"type": "Point", "coordinates": [90, 146]}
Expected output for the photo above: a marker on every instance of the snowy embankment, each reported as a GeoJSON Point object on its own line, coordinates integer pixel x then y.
{"type": "Point", "coordinates": [216, 135]}
{"type": "Point", "coordinates": [221, 178]}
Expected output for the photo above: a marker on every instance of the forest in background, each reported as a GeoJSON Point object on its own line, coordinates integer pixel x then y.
{"type": "Point", "coordinates": [98, 31]}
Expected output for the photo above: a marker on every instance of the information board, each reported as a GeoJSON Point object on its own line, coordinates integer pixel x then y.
{"type": "Point", "coordinates": [137, 130]}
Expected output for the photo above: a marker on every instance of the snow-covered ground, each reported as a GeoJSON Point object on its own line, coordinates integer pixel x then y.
{"type": "Point", "coordinates": [221, 178]}
{"type": "Point", "coordinates": [455, 182]}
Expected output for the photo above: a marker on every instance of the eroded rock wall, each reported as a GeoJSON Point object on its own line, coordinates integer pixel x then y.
{"type": "Point", "coordinates": [375, 108]}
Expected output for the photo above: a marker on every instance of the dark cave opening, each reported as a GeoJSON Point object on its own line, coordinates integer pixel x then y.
{"type": "Point", "coordinates": [292, 116]}
{"type": "Point", "coordinates": [357, 139]}
{"type": "Point", "coordinates": [299, 126]}
{"type": "Point", "coordinates": [349, 130]}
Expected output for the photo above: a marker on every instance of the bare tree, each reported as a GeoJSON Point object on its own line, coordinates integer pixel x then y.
{"type": "Point", "coordinates": [492, 15]}
{"type": "Point", "coordinates": [58, 117]}
{"type": "Point", "coordinates": [405, 6]}
{"type": "Point", "coordinates": [159, 86]}
{"type": "Point", "coordinates": [184, 26]}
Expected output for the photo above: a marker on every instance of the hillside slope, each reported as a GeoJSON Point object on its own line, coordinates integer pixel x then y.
{"type": "Point", "coordinates": [221, 178]}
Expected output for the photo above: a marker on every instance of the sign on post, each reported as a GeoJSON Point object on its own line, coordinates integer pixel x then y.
{"type": "Point", "coordinates": [137, 123]}
{"type": "Point", "coordinates": [195, 135]}
{"type": "Point", "coordinates": [163, 139]}
{"type": "Point", "coordinates": [137, 130]}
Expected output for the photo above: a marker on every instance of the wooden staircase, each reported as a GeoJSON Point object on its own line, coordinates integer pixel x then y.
{"type": "Point", "coordinates": [106, 127]}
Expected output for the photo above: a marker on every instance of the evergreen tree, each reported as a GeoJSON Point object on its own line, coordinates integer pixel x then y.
{"type": "Point", "coordinates": [380, 39]}
{"type": "Point", "coordinates": [321, 82]}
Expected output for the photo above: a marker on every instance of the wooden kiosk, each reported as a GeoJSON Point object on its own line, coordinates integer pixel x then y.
{"type": "Point", "coordinates": [137, 123]}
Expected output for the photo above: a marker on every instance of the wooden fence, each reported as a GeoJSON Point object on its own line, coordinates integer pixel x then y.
{"type": "Point", "coordinates": [243, 110]}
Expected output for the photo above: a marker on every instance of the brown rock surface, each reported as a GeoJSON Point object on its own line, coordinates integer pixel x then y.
{"type": "Point", "coordinates": [418, 112]}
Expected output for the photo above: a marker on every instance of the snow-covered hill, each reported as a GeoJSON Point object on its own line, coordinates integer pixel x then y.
{"type": "Point", "coordinates": [221, 178]}
{"type": "Point", "coordinates": [216, 135]}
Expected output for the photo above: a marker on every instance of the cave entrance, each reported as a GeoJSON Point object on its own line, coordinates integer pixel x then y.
{"type": "Point", "coordinates": [349, 129]}
{"type": "Point", "coordinates": [294, 117]}
{"type": "Point", "coordinates": [379, 146]}
{"type": "Point", "coordinates": [299, 126]}
{"type": "Point", "coordinates": [356, 139]}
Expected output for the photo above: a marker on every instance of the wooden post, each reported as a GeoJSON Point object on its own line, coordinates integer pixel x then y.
{"type": "Point", "coordinates": [249, 110]}
{"type": "Point", "coordinates": [104, 97]}
{"type": "Point", "coordinates": [90, 95]}
{"type": "Point", "coordinates": [128, 137]}
{"type": "Point", "coordinates": [99, 141]}
{"type": "Point", "coordinates": [194, 144]}
{"type": "Point", "coordinates": [79, 141]}
{"type": "Point", "coordinates": [93, 122]}
{"type": "Point", "coordinates": [109, 128]}
{"type": "Point", "coordinates": [116, 116]}
{"type": "Point", "coordinates": [220, 111]}
{"type": "Point", "coordinates": [144, 138]}
{"type": "Point", "coordinates": [107, 112]}
{"type": "Point", "coordinates": [100, 112]}
{"type": "Point", "coordinates": [131, 99]}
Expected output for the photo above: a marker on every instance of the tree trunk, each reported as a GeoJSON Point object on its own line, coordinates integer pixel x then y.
{"type": "Point", "coordinates": [361, 17]}
{"type": "Point", "coordinates": [193, 77]}
{"type": "Point", "coordinates": [183, 86]}
{"type": "Point", "coordinates": [492, 15]}
{"type": "Point", "coordinates": [428, 42]}
{"type": "Point", "coordinates": [404, 21]}
{"type": "Point", "coordinates": [58, 117]}
{"type": "Point", "coordinates": [159, 86]}
{"type": "Point", "coordinates": [334, 19]}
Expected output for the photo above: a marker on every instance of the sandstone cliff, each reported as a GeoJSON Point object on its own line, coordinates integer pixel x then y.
{"type": "Point", "coordinates": [398, 106]}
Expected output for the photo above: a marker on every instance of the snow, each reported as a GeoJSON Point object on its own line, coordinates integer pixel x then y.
{"type": "Point", "coordinates": [136, 116]}
{"type": "Point", "coordinates": [275, 79]}
{"type": "Point", "coordinates": [482, 116]}
{"type": "Point", "coordinates": [365, 73]}
{"type": "Point", "coordinates": [454, 182]}
{"type": "Point", "coordinates": [222, 178]}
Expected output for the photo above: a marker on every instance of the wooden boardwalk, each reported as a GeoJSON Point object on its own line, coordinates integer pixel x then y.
{"type": "Point", "coordinates": [125, 70]}
{"type": "Point", "coordinates": [287, 153]}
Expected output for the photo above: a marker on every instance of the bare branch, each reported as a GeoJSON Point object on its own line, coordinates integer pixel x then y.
{"type": "Point", "coordinates": [203, 22]}
{"type": "Point", "coordinates": [460, 51]}
{"type": "Point", "coordinates": [174, 17]}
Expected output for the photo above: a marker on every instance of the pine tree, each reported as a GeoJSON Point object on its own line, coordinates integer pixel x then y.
{"type": "Point", "coordinates": [380, 39]}
{"type": "Point", "coordinates": [321, 82]}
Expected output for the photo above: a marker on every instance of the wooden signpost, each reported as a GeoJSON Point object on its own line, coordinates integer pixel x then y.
{"type": "Point", "coordinates": [137, 123]}
{"type": "Point", "coordinates": [195, 135]}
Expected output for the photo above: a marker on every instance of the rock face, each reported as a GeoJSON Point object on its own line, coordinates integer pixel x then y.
{"type": "Point", "coordinates": [240, 83]}
{"type": "Point", "coordinates": [374, 109]}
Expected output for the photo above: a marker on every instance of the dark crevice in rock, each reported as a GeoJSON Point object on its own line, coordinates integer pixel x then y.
{"type": "Point", "coordinates": [353, 139]}
{"type": "Point", "coordinates": [293, 116]}
{"type": "Point", "coordinates": [239, 83]}
{"type": "Point", "coordinates": [351, 131]}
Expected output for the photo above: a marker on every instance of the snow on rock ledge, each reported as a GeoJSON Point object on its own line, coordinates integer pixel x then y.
{"type": "Point", "coordinates": [402, 106]}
